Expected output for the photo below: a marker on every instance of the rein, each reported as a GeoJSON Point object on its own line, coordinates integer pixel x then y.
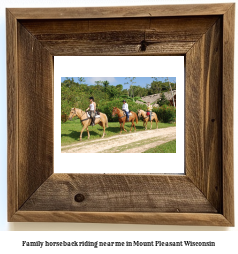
{"type": "Point", "coordinates": [144, 117]}
{"type": "Point", "coordinates": [81, 116]}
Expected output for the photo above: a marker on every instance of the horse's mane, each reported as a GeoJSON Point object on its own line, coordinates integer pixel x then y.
{"type": "Point", "coordinates": [118, 108]}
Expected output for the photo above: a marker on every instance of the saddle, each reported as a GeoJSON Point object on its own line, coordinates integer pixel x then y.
{"type": "Point", "coordinates": [97, 114]}
{"type": "Point", "coordinates": [129, 113]}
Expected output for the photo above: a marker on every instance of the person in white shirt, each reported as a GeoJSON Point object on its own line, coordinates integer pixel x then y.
{"type": "Point", "coordinates": [92, 107]}
{"type": "Point", "coordinates": [126, 109]}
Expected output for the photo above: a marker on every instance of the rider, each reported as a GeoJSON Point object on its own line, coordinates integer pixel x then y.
{"type": "Point", "coordinates": [92, 107]}
{"type": "Point", "coordinates": [125, 109]}
{"type": "Point", "coordinates": [149, 110]}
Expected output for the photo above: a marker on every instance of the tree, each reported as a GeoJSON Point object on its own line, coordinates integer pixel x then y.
{"type": "Point", "coordinates": [130, 82]}
{"type": "Point", "coordinates": [171, 91]}
{"type": "Point", "coordinates": [81, 80]}
{"type": "Point", "coordinates": [99, 82]}
{"type": "Point", "coordinates": [162, 101]}
{"type": "Point", "coordinates": [105, 84]}
{"type": "Point", "coordinates": [167, 84]}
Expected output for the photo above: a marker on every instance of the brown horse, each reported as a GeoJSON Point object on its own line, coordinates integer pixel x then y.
{"type": "Point", "coordinates": [86, 121]}
{"type": "Point", "coordinates": [122, 118]}
{"type": "Point", "coordinates": [146, 118]}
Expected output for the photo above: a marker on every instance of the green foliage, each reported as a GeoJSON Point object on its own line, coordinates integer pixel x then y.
{"type": "Point", "coordinates": [107, 107]}
{"type": "Point", "coordinates": [169, 147]}
{"type": "Point", "coordinates": [76, 94]}
{"type": "Point", "coordinates": [166, 114]}
{"type": "Point", "coordinates": [163, 101]}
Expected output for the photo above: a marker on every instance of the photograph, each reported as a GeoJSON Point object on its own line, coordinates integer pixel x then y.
{"type": "Point", "coordinates": [118, 114]}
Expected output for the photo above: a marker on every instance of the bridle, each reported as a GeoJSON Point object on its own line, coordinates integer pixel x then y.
{"type": "Point", "coordinates": [142, 116]}
{"type": "Point", "coordinates": [118, 114]}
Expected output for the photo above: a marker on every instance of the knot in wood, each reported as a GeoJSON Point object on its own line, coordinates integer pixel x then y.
{"type": "Point", "coordinates": [143, 45]}
{"type": "Point", "coordinates": [79, 198]}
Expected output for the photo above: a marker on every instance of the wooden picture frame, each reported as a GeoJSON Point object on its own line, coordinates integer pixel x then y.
{"type": "Point", "coordinates": [204, 34]}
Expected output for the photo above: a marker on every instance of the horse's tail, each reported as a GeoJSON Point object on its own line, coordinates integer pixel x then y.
{"type": "Point", "coordinates": [157, 119]}
{"type": "Point", "coordinates": [136, 118]}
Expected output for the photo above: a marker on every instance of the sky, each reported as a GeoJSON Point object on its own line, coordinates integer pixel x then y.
{"type": "Point", "coordinates": [141, 81]}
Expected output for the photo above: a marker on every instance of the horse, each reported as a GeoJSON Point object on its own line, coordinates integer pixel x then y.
{"type": "Point", "coordinates": [122, 118]}
{"type": "Point", "coordinates": [146, 118]}
{"type": "Point", "coordinates": [86, 121]}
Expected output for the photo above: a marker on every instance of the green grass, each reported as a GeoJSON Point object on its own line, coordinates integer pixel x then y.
{"type": "Point", "coordinates": [70, 130]}
{"type": "Point", "coordinates": [169, 147]}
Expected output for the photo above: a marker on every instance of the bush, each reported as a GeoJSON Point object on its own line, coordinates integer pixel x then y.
{"type": "Point", "coordinates": [166, 114]}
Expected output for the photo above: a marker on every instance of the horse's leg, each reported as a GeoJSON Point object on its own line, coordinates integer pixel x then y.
{"type": "Point", "coordinates": [88, 133]}
{"type": "Point", "coordinates": [103, 125]}
{"type": "Point", "coordinates": [151, 124]}
{"type": "Point", "coordinates": [134, 126]}
{"type": "Point", "coordinates": [123, 126]}
{"type": "Point", "coordinates": [146, 125]}
{"type": "Point", "coordinates": [120, 128]}
{"type": "Point", "coordinates": [104, 129]}
{"type": "Point", "coordinates": [81, 134]}
{"type": "Point", "coordinates": [144, 122]}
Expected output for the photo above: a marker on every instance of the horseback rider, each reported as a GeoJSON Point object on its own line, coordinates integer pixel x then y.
{"type": "Point", "coordinates": [125, 109]}
{"type": "Point", "coordinates": [149, 110]}
{"type": "Point", "coordinates": [92, 107]}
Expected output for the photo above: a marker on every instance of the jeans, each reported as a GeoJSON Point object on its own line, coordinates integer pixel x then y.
{"type": "Point", "coordinates": [150, 115]}
{"type": "Point", "coordinates": [127, 115]}
{"type": "Point", "coordinates": [92, 115]}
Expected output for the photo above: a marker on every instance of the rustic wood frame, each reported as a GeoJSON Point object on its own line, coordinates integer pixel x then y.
{"type": "Point", "coordinates": [202, 33]}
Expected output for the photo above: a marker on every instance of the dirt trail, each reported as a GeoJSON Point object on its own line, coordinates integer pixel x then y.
{"type": "Point", "coordinates": [136, 142]}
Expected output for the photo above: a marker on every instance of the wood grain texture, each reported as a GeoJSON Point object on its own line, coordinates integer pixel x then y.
{"type": "Point", "coordinates": [114, 193]}
{"type": "Point", "coordinates": [192, 219]}
{"type": "Point", "coordinates": [12, 116]}
{"type": "Point", "coordinates": [227, 113]}
{"type": "Point", "coordinates": [119, 36]}
{"type": "Point", "coordinates": [203, 144]}
{"type": "Point", "coordinates": [121, 11]}
{"type": "Point", "coordinates": [179, 25]}
{"type": "Point", "coordinates": [35, 135]}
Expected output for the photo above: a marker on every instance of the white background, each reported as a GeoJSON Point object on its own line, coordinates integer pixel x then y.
{"type": "Point", "coordinates": [10, 241]}
{"type": "Point", "coordinates": [117, 66]}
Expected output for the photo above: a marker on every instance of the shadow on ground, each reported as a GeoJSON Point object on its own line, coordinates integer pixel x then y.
{"type": "Point", "coordinates": [76, 134]}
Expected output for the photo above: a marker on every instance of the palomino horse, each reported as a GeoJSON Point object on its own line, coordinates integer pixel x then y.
{"type": "Point", "coordinates": [147, 118]}
{"type": "Point", "coordinates": [122, 118]}
{"type": "Point", "coordinates": [86, 121]}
